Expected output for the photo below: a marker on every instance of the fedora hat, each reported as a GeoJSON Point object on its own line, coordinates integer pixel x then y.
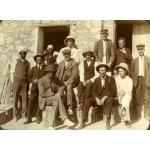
{"type": "Point", "coordinates": [37, 55]}
{"type": "Point", "coordinates": [102, 65]}
{"type": "Point", "coordinates": [104, 31]}
{"type": "Point", "coordinates": [50, 68]}
{"type": "Point", "coordinates": [140, 46]}
{"type": "Point", "coordinates": [50, 47]}
{"type": "Point", "coordinates": [24, 50]}
{"type": "Point", "coordinates": [88, 52]}
{"type": "Point", "coordinates": [45, 52]}
{"type": "Point", "coordinates": [69, 37]}
{"type": "Point", "coordinates": [123, 66]}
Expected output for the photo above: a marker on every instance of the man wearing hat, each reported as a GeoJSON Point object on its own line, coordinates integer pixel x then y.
{"type": "Point", "coordinates": [123, 54]}
{"type": "Point", "coordinates": [19, 76]}
{"type": "Point", "coordinates": [50, 94]}
{"type": "Point", "coordinates": [104, 90]}
{"type": "Point", "coordinates": [124, 92]}
{"type": "Point", "coordinates": [140, 73]}
{"type": "Point", "coordinates": [69, 42]}
{"type": "Point", "coordinates": [53, 54]}
{"type": "Point", "coordinates": [104, 51]}
{"type": "Point", "coordinates": [68, 73]}
{"type": "Point", "coordinates": [35, 74]}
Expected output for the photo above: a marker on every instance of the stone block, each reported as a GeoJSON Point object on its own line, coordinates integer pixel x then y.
{"type": "Point", "coordinates": [2, 117]}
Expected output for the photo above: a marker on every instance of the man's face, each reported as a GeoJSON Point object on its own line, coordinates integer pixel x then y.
{"type": "Point", "coordinates": [88, 57]}
{"type": "Point", "coordinates": [121, 44]}
{"type": "Point", "coordinates": [50, 75]}
{"type": "Point", "coordinates": [102, 71]}
{"type": "Point", "coordinates": [141, 51]}
{"type": "Point", "coordinates": [104, 36]}
{"type": "Point", "coordinates": [39, 60]}
{"type": "Point", "coordinates": [70, 43]}
{"type": "Point", "coordinates": [46, 57]}
{"type": "Point", "coordinates": [23, 55]}
{"type": "Point", "coordinates": [122, 72]}
{"type": "Point", "coordinates": [67, 57]}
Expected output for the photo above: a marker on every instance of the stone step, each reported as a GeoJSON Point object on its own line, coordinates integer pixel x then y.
{"type": "Point", "coordinates": [6, 113]}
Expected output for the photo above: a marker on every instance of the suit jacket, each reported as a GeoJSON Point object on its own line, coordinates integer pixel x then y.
{"type": "Point", "coordinates": [135, 71]}
{"type": "Point", "coordinates": [69, 73]}
{"type": "Point", "coordinates": [121, 57]}
{"type": "Point", "coordinates": [110, 88]}
{"type": "Point", "coordinates": [110, 51]}
{"type": "Point", "coordinates": [35, 73]}
{"type": "Point", "coordinates": [47, 89]}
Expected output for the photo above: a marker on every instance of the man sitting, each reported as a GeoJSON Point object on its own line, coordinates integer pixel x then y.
{"type": "Point", "coordinates": [50, 94]}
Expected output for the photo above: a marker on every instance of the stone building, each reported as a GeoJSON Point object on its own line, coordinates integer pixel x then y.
{"type": "Point", "coordinates": [37, 34]}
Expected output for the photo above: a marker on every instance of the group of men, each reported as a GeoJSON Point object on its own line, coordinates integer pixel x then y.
{"type": "Point", "coordinates": [106, 78]}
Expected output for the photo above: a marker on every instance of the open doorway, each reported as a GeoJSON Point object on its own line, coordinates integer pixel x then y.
{"type": "Point", "coordinates": [124, 29]}
{"type": "Point", "coordinates": [54, 35]}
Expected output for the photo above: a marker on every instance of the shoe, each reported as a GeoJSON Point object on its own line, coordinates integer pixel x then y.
{"type": "Point", "coordinates": [68, 123]}
{"type": "Point", "coordinates": [28, 121]}
{"type": "Point", "coordinates": [108, 125]}
{"type": "Point", "coordinates": [128, 124]}
{"type": "Point", "coordinates": [51, 128]}
{"type": "Point", "coordinates": [80, 126]}
{"type": "Point", "coordinates": [38, 121]}
{"type": "Point", "coordinates": [70, 112]}
{"type": "Point", "coordinates": [17, 118]}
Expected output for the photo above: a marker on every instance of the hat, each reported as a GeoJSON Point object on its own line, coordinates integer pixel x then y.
{"type": "Point", "coordinates": [24, 50]}
{"type": "Point", "coordinates": [50, 68]}
{"type": "Point", "coordinates": [102, 65]}
{"type": "Point", "coordinates": [123, 66]}
{"type": "Point", "coordinates": [45, 52]}
{"type": "Point", "coordinates": [37, 55]}
{"type": "Point", "coordinates": [66, 51]}
{"type": "Point", "coordinates": [50, 47]}
{"type": "Point", "coordinates": [104, 31]}
{"type": "Point", "coordinates": [67, 38]}
{"type": "Point", "coordinates": [88, 52]}
{"type": "Point", "coordinates": [140, 46]}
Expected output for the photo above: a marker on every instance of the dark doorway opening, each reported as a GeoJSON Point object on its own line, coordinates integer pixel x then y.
{"type": "Point", "coordinates": [124, 30]}
{"type": "Point", "coordinates": [54, 35]}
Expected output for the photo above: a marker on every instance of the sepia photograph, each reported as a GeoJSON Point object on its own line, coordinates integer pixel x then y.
{"type": "Point", "coordinates": [74, 74]}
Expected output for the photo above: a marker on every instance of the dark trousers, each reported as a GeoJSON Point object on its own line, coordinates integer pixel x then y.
{"type": "Point", "coordinates": [84, 92]}
{"type": "Point", "coordinates": [33, 105]}
{"type": "Point", "coordinates": [20, 88]}
{"type": "Point", "coordinates": [57, 105]}
{"type": "Point", "coordinates": [92, 102]}
{"type": "Point", "coordinates": [139, 91]}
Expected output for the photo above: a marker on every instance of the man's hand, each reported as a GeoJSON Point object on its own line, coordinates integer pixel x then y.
{"type": "Point", "coordinates": [103, 99]}
{"type": "Point", "coordinates": [88, 81]}
{"type": "Point", "coordinates": [123, 51]}
{"type": "Point", "coordinates": [84, 83]}
{"type": "Point", "coordinates": [109, 65]}
{"type": "Point", "coordinates": [35, 81]}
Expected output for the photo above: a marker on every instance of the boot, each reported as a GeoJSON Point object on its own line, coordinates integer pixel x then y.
{"type": "Point", "coordinates": [108, 124]}
{"type": "Point", "coordinates": [80, 126]}
{"type": "Point", "coordinates": [28, 121]}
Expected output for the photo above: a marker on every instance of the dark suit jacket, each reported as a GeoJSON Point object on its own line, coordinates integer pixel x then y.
{"type": "Point", "coordinates": [110, 88]}
{"type": "Point", "coordinates": [69, 73]}
{"type": "Point", "coordinates": [35, 73]}
{"type": "Point", "coordinates": [110, 51]}
{"type": "Point", "coordinates": [121, 57]}
{"type": "Point", "coordinates": [47, 89]}
{"type": "Point", "coordinates": [135, 71]}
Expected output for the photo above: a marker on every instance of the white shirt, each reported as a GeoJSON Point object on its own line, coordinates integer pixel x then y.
{"type": "Point", "coordinates": [74, 55]}
{"type": "Point", "coordinates": [104, 52]}
{"type": "Point", "coordinates": [103, 81]}
{"type": "Point", "coordinates": [141, 66]}
{"type": "Point", "coordinates": [81, 71]}
{"type": "Point", "coordinates": [66, 63]}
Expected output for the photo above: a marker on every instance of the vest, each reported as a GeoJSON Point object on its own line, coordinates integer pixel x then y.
{"type": "Point", "coordinates": [21, 70]}
{"type": "Point", "coordinates": [89, 70]}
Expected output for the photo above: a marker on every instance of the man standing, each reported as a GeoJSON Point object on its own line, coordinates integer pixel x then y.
{"type": "Point", "coordinates": [50, 94]}
{"type": "Point", "coordinates": [35, 74]}
{"type": "Point", "coordinates": [68, 73]}
{"type": "Point", "coordinates": [104, 90]}
{"type": "Point", "coordinates": [104, 51]}
{"type": "Point", "coordinates": [123, 54]}
{"type": "Point", "coordinates": [19, 77]}
{"type": "Point", "coordinates": [69, 42]}
{"type": "Point", "coordinates": [140, 73]}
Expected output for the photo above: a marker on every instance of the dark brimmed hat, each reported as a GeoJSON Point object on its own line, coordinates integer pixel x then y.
{"type": "Point", "coordinates": [102, 65]}
{"type": "Point", "coordinates": [69, 37]}
{"type": "Point", "coordinates": [66, 51]}
{"type": "Point", "coordinates": [104, 31]}
{"type": "Point", "coordinates": [140, 46]}
{"type": "Point", "coordinates": [51, 68]}
{"type": "Point", "coordinates": [88, 52]}
{"type": "Point", "coordinates": [38, 55]}
{"type": "Point", "coordinates": [45, 52]}
{"type": "Point", "coordinates": [25, 50]}
{"type": "Point", "coordinates": [123, 66]}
